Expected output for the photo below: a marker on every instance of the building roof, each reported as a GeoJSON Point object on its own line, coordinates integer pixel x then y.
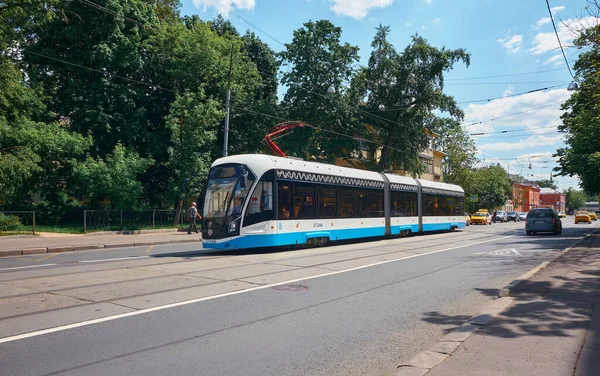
{"type": "Point", "coordinates": [548, 191]}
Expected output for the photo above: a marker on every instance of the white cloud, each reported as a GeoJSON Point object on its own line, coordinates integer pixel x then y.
{"type": "Point", "coordinates": [543, 21]}
{"type": "Point", "coordinates": [537, 140]}
{"type": "Point", "coordinates": [567, 31]}
{"type": "Point", "coordinates": [435, 21]}
{"type": "Point", "coordinates": [428, 2]}
{"type": "Point", "coordinates": [508, 91]}
{"type": "Point", "coordinates": [409, 23]}
{"type": "Point", "coordinates": [512, 44]}
{"type": "Point", "coordinates": [357, 9]}
{"type": "Point", "coordinates": [556, 59]}
{"type": "Point", "coordinates": [231, 4]}
{"type": "Point", "coordinates": [557, 9]}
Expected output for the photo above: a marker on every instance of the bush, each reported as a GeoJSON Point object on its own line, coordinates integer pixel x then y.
{"type": "Point", "coordinates": [9, 222]}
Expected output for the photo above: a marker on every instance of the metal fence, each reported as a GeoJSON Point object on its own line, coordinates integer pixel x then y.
{"type": "Point", "coordinates": [125, 220]}
{"type": "Point", "coordinates": [17, 222]}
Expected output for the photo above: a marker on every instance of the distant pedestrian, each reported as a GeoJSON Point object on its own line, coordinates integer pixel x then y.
{"type": "Point", "coordinates": [193, 215]}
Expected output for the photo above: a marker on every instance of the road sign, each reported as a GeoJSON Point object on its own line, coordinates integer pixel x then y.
{"type": "Point", "coordinates": [474, 198]}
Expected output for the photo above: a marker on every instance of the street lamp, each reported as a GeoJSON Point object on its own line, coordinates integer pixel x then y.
{"type": "Point", "coordinates": [331, 90]}
{"type": "Point", "coordinates": [572, 86]}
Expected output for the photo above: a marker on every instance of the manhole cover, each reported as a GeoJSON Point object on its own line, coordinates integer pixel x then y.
{"type": "Point", "coordinates": [290, 288]}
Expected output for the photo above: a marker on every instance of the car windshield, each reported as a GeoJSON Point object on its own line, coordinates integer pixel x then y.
{"type": "Point", "coordinates": [479, 215]}
{"type": "Point", "coordinates": [511, 213]}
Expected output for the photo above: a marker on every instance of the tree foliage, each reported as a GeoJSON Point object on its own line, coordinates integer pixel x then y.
{"type": "Point", "coordinates": [581, 119]}
{"type": "Point", "coordinates": [574, 199]}
{"type": "Point", "coordinates": [408, 86]}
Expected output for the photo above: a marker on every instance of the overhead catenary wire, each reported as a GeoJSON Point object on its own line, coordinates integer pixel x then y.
{"type": "Point", "coordinates": [509, 115]}
{"type": "Point", "coordinates": [513, 130]}
{"type": "Point", "coordinates": [103, 72]}
{"type": "Point", "coordinates": [558, 39]}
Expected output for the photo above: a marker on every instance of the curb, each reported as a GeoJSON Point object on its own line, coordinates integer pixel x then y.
{"type": "Point", "coordinates": [424, 361]}
{"type": "Point", "coordinates": [88, 247]}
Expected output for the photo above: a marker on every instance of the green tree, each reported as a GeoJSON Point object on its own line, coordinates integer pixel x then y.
{"type": "Point", "coordinates": [114, 180]}
{"type": "Point", "coordinates": [581, 117]}
{"type": "Point", "coordinates": [460, 151]}
{"type": "Point", "coordinates": [408, 87]}
{"type": "Point", "coordinates": [546, 184]}
{"type": "Point", "coordinates": [575, 200]}
{"type": "Point", "coordinates": [317, 60]}
{"type": "Point", "coordinates": [491, 185]}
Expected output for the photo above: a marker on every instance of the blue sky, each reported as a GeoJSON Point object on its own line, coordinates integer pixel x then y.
{"type": "Point", "coordinates": [504, 37]}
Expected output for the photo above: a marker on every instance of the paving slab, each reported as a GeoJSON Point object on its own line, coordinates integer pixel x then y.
{"type": "Point", "coordinates": [445, 347]}
{"type": "Point", "coordinates": [39, 321]}
{"type": "Point", "coordinates": [192, 266]}
{"type": "Point", "coordinates": [158, 299]}
{"type": "Point", "coordinates": [242, 271]}
{"type": "Point", "coordinates": [27, 304]}
{"type": "Point", "coordinates": [426, 359]}
{"type": "Point", "coordinates": [127, 289]}
{"type": "Point", "coordinates": [285, 276]}
{"type": "Point", "coordinates": [6, 290]}
{"type": "Point", "coordinates": [59, 282]}
{"type": "Point", "coordinates": [461, 333]}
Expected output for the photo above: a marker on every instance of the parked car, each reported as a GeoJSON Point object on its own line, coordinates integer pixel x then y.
{"type": "Point", "coordinates": [593, 216]}
{"type": "Point", "coordinates": [467, 219]}
{"type": "Point", "coordinates": [583, 216]}
{"type": "Point", "coordinates": [562, 215]}
{"type": "Point", "coordinates": [542, 220]}
{"type": "Point", "coordinates": [499, 216]}
{"type": "Point", "coordinates": [522, 216]}
{"type": "Point", "coordinates": [483, 218]}
{"type": "Point", "coordinates": [512, 216]}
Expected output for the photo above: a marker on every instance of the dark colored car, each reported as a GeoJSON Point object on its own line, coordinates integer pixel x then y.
{"type": "Point", "coordinates": [542, 220]}
{"type": "Point", "coordinates": [499, 216]}
{"type": "Point", "coordinates": [512, 216]}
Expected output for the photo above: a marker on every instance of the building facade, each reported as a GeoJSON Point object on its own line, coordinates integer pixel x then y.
{"type": "Point", "coordinates": [525, 197]}
{"type": "Point", "coordinates": [550, 198]}
{"type": "Point", "coordinates": [431, 158]}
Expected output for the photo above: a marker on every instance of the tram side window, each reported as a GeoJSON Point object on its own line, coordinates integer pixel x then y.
{"type": "Point", "coordinates": [304, 201]}
{"type": "Point", "coordinates": [327, 202]}
{"type": "Point", "coordinates": [398, 204]}
{"type": "Point", "coordinates": [375, 203]}
{"type": "Point", "coordinates": [428, 205]}
{"type": "Point", "coordinates": [443, 206]}
{"type": "Point", "coordinates": [346, 203]}
{"type": "Point", "coordinates": [361, 203]}
{"type": "Point", "coordinates": [411, 204]}
{"type": "Point", "coordinates": [456, 205]}
{"type": "Point", "coordinates": [285, 191]}
{"type": "Point", "coordinates": [260, 206]}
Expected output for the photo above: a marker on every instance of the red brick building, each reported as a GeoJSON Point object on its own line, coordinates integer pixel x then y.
{"type": "Point", "coordinates": [525, 197]}
{"type": "Point", "coordinates": [549, 198]}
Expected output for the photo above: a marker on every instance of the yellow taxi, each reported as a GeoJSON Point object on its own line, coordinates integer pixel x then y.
{"type": "Point", "coordinates": [593, 216]}
{"type": "Point", "coordinates": [583, 216]}
{"type": "Point", "coordinates": [481, 217]}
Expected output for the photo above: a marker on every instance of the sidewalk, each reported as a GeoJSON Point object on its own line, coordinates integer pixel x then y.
{"type": "Point", "coordinates": [552, 326]}
{"type": "Point", "coordinates": [52, 242]}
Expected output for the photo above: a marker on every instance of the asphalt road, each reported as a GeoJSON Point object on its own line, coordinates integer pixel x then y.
{"type": "Point", "coordinates": [352, 309]}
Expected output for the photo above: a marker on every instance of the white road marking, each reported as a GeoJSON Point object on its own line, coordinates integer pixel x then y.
{"type": "Point", "coordinates": [187, 302]}
{"type": "Point", "coordinates": [27, 267]}
{"type": "Point", "coordinates": [116, 259]}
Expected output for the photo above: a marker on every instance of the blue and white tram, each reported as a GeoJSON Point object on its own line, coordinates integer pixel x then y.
{"type": "Point", "coordinates": [257, 200]}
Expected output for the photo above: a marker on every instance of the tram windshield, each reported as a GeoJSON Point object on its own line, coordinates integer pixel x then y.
{"type": "Point", "coordinates": [226, 192]}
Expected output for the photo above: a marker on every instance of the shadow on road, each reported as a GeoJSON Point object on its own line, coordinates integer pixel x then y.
{"type": "Point", "coordinates": [557, 302]}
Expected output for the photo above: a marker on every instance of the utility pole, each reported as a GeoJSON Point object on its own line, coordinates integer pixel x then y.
{"type": "Point", "coordinates": [226, 135]}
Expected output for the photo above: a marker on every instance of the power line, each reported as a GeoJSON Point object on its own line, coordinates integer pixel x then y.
{"type": "Point", "coordinates": [106, 10]}
{"type": "Point", "coordinates": [503, 75]}
{"type": "Point", "coordinates": [522, 135]}
{"type": "Point", "coordinates": [512, 130]}
{"type": "Point", "coordinates": [503, 83]}
{"type": "Point", "coordinates": [513, 114]}
{"type": "Point", "coordinates": [558, 39]}
{"type": "Point", "coordinates": [103, 72]}
{"type": "Point", "coordinates": [248, 22]}
{"type": "Point", "coordinates": [323, 129]}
